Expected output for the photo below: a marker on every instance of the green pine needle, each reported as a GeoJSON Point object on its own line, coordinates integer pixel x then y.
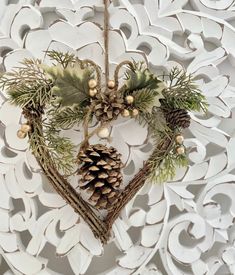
{"type": "Point", "coordinates": [156, 124]}
{"type": "Point", "coordinates": [61, 150]}
{"type": "Point", "coordinates": [67, 117]}
{"type": "Point", "coordinates": [64, 59]}
{"type": "Point", "coordinates": [163, 166]}
{"type": "Point", "coordinates": [167, 169]}
{"type": "Point", "coordinates": [27, 85]}
{"type": "Point", "coordinates": [144, 99]}
{"type": "Point", "coordinates": [182, 92]}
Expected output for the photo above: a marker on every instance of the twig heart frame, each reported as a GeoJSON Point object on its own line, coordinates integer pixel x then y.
{"type": "Point", "coordinates": [100, 228]}
{"type": "Point", "coordinates": [162, 107]}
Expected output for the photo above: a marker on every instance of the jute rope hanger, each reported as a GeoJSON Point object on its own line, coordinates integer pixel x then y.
{"type": "Point", "coordinates": [106, 40]}
{"type": "Point", "coordinates": [106, 49]}
{"type": "Point", "coordinates": [87, 135]}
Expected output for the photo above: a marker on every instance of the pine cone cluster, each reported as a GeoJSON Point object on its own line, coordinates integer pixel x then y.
{"type": "Point", "coordinates": [100, 174]}
{"type": "Point", "coordinates": [177, 118]}
{"type": "Point", "coordinates": [108, 106]}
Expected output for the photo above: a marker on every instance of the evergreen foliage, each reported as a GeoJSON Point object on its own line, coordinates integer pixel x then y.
{"type": "Point", "coordinates": [61, 149]}
{"type": "Point", "coordinates": [144, 86]}
{"type": "Point", "coordinates": [182, 92]}
{"type": "Point", "coordinates": [164, 164]}
{"type": "Point", "coordinates": [62, 91]}
{"type": "Point", "coordinates": [64, 59]}
{"type": "Point", "coordinates": [27, 85]}
{"type": "Point", "coordinates": [71, 84]}
{"type": "Point", "coordinates": [139, 76]}
{"type": "Point", "coordinates": [67, 117]}
{"type": "Point", "coordinates": [145, 99]}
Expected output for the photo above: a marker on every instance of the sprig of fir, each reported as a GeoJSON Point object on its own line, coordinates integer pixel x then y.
{"type": "Point", "coordinates": [164, 160]}
{"type": "Point", "coordinates": [27, 85]}
{"type": "Point", "coordinates": [61, 149]}
{"type": "Point", "coordinates": [64, 59]}
{"type": "Point", "coordinates": [67, 117]}
{"type": "Point", "coordinates": [182, 92]}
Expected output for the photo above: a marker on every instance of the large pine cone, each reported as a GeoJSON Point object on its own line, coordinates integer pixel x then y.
{"type": "Point", "coordinates": [101, 175]}
{"type": "Point", "coordinates": [108, 106]}
{"type": "Point", "coordinates": [177, 118]}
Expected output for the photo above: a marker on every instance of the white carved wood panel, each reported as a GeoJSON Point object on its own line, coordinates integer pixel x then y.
{"type": "Point", "coordinates": [182, 227]}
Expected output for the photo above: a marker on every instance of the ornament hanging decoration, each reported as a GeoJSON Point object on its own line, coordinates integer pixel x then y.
{"type": "Point", "coordinates": [71, 93]}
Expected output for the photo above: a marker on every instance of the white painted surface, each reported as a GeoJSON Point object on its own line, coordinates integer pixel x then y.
{"type": "Point", "coordinates": [181, 227]}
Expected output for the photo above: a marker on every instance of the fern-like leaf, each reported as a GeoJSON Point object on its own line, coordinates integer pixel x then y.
{"type": "Point", "coordinates": [27, 85]}
{"type": "Point", "coordinates": [67, 117]}
{"type": "Point", "coordinates": [64, 59]}
{"type": "Point", "coordinates": [61, 149]}
{"type": "Point", "coordinates": [145, 99]}
{"type": "Point", "coordinates": [182, 92]}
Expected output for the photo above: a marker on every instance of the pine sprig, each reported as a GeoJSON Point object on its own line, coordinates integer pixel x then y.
{"type": "Point", "coordinates": [144, 99]}
{"type": "Point", "coordinates": [182, 92]}
{"type": "Point", "coordinates": [156, 123]}
{"type": "Point", "coordinates": [164, 161]}
{"type": "Point", "coordinates": [64, 59]}
{"type": "Point", "coordinates": [167, 169]}
{"type": "Point", "coordinates": [45, 138]}
{"type": "Point", "coordinates": [67, 117]}
{"type": "Point", "coordinates": [61, 149]}
{"type": "Point", "coordinates": [27, 85]}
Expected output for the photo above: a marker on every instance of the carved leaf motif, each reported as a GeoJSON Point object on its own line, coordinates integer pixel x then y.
{"type": "Point", "coordinates": [198, 35]}
{"type": "Point", "coordinates": [134, 257]}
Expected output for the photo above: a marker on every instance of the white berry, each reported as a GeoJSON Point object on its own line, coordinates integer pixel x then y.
{"type": "Point", "coordinates": [111, 84]}
{"type": "Point", "coordinates": [21, 134]}
{"type": "Point", "coordinates": [179, 139]}
{"type": "Point", "coordinates": [126, 113]}
{"type": "Point", "coordinates": [92, 83]}
{"type": "Point", "coordinates": [25, 128]}
{"type": "Point", "coordinates": [92, 92]}
{"type": "Point", "coordinates": [180, 150]}
{"type": "Point", "coordinates": [135, 112]}
{"type": "Point", "coordinates": [129, 99]}
{"type": "Point", "coordinates": [103, 133]}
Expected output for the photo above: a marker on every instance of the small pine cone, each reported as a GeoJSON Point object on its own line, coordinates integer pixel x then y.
{"type": "Point", "coordinates": [33, 112]}
{"type": "Point", "coordinates": [177, 118]}
{"type": "Point", "coordinates": [108, 106]}
{"type": "Point", "coordinates": [100, 174]}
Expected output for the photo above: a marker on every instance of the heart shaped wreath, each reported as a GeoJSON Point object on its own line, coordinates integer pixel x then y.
{"type": "Point", "coordinates": [70, 92]}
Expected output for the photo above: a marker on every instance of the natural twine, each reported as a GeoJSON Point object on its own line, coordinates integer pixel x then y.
{"type": "Point", "coordinates": [106, 41]}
